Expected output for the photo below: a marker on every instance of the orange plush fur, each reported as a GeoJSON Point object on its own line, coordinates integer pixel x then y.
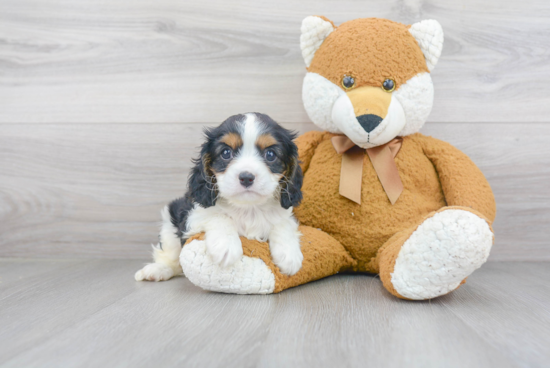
{"type": "Point", "coordinates": [397, 57]}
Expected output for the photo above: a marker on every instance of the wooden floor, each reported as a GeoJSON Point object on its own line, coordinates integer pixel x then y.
{"type": "Point", "coordinates": [69, 313]}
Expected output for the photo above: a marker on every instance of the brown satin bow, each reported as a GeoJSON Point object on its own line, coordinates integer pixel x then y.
{"type": "Point", "coordinates": [382, 159]}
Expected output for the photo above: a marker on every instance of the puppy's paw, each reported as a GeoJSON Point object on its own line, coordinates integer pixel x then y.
{"type": "Point", "coordinates": [287, 258]}
{"type": "Point", "coordinates": [224, 249]}
{"type": "Point", "coordinates": [154, 272]}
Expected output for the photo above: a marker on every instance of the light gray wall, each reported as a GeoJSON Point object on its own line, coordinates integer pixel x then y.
{"type": "Point", "coordinates": [102, 106]}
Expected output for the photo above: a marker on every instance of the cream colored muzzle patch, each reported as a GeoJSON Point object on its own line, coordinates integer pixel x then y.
{"type": "Point", "coordinates": [370, 101]}
{"type": "Point", "coordinates": [369, 116]}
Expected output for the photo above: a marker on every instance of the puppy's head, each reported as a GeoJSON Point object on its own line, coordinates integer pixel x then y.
{"type": "Point", "coordinates": [247, 160]}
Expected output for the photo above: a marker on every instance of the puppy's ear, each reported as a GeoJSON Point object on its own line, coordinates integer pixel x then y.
{"type": "Point", "coordinates": [202, 182]}
{"type": "Point", "coordinates": [291, 186]}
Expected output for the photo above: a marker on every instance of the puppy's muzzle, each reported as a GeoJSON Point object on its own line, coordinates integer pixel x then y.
{"type": "Point", "coordinates": [246, 179]}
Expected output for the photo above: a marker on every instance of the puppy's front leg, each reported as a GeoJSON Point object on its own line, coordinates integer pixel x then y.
{"type": "Point", "coordinates": [222, 241]}
{"type": "Point", "coordinates": [284, 244]}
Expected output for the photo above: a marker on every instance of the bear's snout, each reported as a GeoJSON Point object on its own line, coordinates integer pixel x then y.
{"type": "Point", "coordinates": [369, 122]}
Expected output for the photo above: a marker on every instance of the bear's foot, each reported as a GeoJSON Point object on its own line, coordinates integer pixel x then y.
{"type": "Point", "coordinates": [255, 272]}
{"type": "Point", "coordinates": [439, 255]}
{"type": "Point", "coordinates": [247, 275]}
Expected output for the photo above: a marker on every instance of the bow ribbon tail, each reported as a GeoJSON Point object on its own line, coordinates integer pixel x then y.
{"type": "Point", "coordinates": [382, 159]}
{"type": "Point", "coordinates": [351, 174]}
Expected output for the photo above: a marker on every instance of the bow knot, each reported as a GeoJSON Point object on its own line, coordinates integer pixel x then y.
{"type": "Point", "coordinates": [382, 159]}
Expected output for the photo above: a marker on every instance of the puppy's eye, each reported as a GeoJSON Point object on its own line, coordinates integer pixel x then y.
{"type": "Point", "coordinates": [270, 155]}
{"type": "Point", "coordinates": [227, 154]}
{"type": "Point", "coordinates": [348, 82]}
{"type": "Point", "coordinates": [388, 85]}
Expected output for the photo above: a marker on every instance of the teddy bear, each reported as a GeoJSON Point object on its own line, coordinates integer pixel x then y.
{"type": "Point", "coordinates": [378, 196]}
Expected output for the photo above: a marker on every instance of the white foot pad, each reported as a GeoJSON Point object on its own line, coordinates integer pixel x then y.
{"type": "Point", "coordinates": [246, 276]}
{"type": "Point", "coordinates": [154, 272]}
{"type": "Point", "coordinates": [443, 251]}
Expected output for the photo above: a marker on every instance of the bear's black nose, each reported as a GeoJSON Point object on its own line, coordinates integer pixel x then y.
{"type": "Point", "coordinates": [246, 179]}
{"type": "Point", "coordinates": [369, 121]}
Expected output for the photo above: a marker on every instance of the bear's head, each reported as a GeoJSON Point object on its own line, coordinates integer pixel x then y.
{"type": "Point", "coordinates": [369, 79]}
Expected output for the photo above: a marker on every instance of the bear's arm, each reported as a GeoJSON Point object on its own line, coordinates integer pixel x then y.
{"type": "Point", "coordinates": [307, 143]}
{"type": "Point", "coordinates": [462, 181]}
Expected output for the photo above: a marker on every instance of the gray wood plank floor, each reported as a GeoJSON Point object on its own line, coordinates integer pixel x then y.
{"type": "Point", "coordinates": [64, 313]}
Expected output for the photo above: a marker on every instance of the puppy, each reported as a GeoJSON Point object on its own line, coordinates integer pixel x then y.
{"type": "Point", "coordinates": [245, 183]}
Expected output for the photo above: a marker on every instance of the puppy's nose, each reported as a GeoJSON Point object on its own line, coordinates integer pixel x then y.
{"type": "Point", "coordinates": [246, 178]}
{"type": "Point", "coordinates": [369, 122]}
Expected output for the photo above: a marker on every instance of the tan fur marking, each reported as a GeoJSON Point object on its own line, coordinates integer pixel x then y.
{"type": "Point", "coordinates": [206, 161]}
{"type": "Point", "coordinates": [265, 140]}
{"type": "Point", "coordinates": [370, 100]}
{"type": "Point", "coordinates": [289, 171]}
{"type": "Point", "coordinates": [233, 140]}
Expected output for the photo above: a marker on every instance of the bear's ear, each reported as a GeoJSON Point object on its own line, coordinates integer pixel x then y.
{"type": "Point", "coordinates": [429, 35]}
{"type": "Point", "coordinates": [314, 31]}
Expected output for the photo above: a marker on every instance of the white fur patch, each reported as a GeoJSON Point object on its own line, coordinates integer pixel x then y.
{"type": "Point", "coordinates": [429, 35]}
{"type": "Point", "coordinates": [314, 31]}
{"type": "Point", "coordinates": [443, 251]}
{"type": "Point", "coordinates": [416, 97]}
{"type": "Point", "coordinates": [390, 127]}
{"type": "Point", "coordinates": [154, 272]}
{"type": "Point", "coordinates": [252, 222]}
{"type": "Point", "coordinates": [284, 244]}
{"type": "Point", "coordinates": [319, 95]}
{"type": "Point", "coordinates": [250, 133]}
{"type": "Point", "coordinates": [225, 222]}
{"type": "Point", "coordinates": [247, 276]}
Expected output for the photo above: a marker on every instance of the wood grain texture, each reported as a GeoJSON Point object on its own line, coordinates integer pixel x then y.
{"type": "Point", "coordinates": [14, 270]}
{"type": "Point", "coordinates": [508, 322]}
{"type": "Point", "coordinates": [201, 61]}
{"type": "Point", "coordinates": [95, 190]}
{"type": "Point", "coordinates": [358, 326]}
{"type": "Point", "coordinates": [34, 308]}
{"type": "Point", "coordinates": [101, 317]}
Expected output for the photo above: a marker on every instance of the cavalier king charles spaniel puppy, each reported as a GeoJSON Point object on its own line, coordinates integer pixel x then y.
{"type": "Point", "coordinates": [245, 183]}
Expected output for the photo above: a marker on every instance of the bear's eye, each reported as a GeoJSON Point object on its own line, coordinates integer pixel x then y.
{"type": "Point", "coordinates": [227, 154]}
{"type": "Point", "coordinates": [348, 82]}
{"type": "Point", "coordinates": [388, 85]}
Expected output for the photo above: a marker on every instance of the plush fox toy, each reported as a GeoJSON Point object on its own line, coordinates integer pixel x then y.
{"type": "Point", "coordinates": [379, 197]}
